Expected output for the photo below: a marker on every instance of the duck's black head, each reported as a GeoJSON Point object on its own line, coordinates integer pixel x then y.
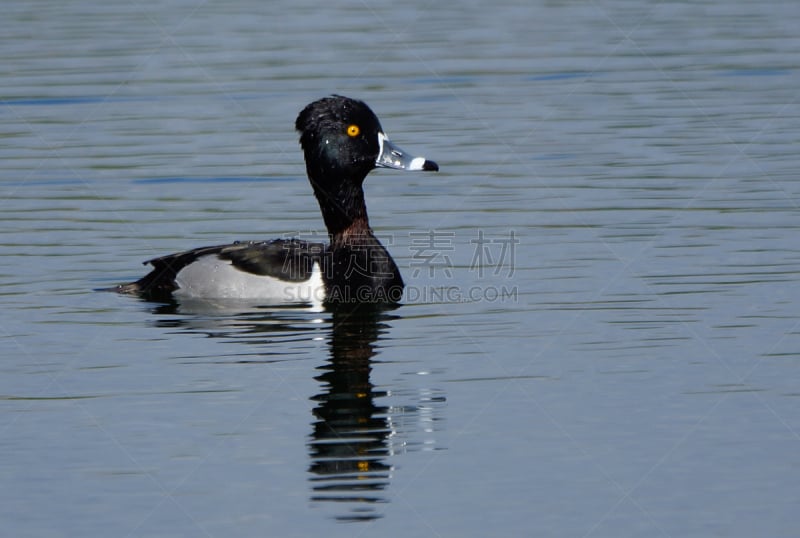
{"type": "Point", "coordinates": [343, 140]}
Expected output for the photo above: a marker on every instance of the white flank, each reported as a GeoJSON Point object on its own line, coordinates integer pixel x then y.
{"type": "Point", "coordinates": [212, 278]}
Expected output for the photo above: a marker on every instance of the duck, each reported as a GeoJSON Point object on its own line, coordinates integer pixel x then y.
{"type": "Point", "coordinates": [342, 142]}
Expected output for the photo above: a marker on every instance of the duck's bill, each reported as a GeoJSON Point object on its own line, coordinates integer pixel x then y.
{"type": "Point", "coordinates": [391, 156]}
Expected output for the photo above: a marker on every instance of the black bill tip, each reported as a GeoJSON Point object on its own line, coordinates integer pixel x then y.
{"type": "Point", "coordinates": [430, 166]}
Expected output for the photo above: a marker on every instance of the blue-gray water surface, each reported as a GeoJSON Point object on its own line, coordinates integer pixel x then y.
{"type": "Point", "coordinates": [600, 335]}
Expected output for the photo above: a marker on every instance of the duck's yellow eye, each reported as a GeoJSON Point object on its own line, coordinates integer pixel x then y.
{"type": "Point", "coordinates": [353, 130]}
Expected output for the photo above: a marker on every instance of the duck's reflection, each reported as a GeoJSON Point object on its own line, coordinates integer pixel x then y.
{"type": "Point", "coordinates": [352, 438]}
{"type": "Point", "coordinates": [349, 442]}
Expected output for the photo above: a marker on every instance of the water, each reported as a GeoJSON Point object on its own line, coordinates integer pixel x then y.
{"type": "Point", "coordinates": [606, 342]}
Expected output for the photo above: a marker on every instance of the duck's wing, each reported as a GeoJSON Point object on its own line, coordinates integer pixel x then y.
{"type": "Point", "coordinates": [289, 260]}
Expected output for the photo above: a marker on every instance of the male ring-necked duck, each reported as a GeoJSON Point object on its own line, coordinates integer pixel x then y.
{"type": "Point", "coordinates": [342, 141]}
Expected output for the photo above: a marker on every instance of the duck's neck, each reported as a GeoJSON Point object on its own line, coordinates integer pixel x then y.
{"type": "Point", "coordinates": [356, 266]}
{"type": "Point", "coordinates": [342, 206]}
{"type": "Point", "coordinates": [353, 235]}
